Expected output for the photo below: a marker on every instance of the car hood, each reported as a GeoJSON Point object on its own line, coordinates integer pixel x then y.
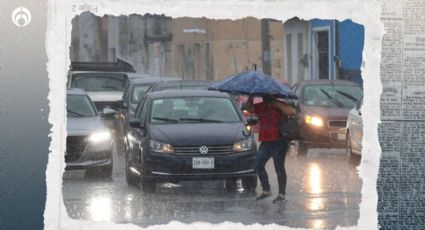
{"type": "Point", "coordinates": [83, 125]}
{"type": "Point", "coordinates": [198, 134]}
{"type": "Point", "coordinates": [105, 96]}
{"type": "Point", "coordinates": [326, 112]}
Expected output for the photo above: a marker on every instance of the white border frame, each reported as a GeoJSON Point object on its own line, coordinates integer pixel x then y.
{"type": "Point", "coordinates": [60, 13]}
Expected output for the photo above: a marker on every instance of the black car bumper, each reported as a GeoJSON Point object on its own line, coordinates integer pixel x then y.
{"type": "Point", "coordinates": [173, 167]}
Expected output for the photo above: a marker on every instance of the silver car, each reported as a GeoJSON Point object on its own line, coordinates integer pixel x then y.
{"type": "Point", "coordinates": [354, 132]}
{"type": "Point", "coordinates": [89, 141]}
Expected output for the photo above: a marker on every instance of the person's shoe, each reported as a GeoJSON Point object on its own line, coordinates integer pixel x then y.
{"type": "Point", "coordinates": [263, 195]}
{"type": "Point", "coordinates": [280, 199]}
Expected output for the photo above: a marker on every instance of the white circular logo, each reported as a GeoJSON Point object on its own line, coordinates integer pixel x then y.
{"type": "Point", "coordinates": [203, 150]}
{"type": "Point", "coordinates": [21, 17]}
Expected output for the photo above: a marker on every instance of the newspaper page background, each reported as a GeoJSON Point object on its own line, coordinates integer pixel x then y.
{"type": "Point", "coordinates": [401, 174]}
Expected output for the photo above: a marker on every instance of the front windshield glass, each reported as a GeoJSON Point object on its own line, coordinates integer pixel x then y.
{"type": "Point", "coordinates": [193, 110]}
{"type": "Point", "coordinates": [138, 92]}
{"type": "Point", "coordinates": [79, 106]}
{"type": "Point", "coordinates": [99, 81]}
{"type": "Point", "coordinates": [331, 95]}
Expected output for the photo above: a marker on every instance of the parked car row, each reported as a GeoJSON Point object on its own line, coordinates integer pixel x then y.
{"type": "Point", "coordinates": [174, 130]}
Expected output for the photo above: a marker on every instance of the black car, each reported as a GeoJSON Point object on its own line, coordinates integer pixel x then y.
{"type": "Point", "coordinates": [136, 88]}
{"type": "Point", "coordinates": [189, 135]}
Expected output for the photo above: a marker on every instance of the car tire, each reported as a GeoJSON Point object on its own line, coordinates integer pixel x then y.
{"type": "Point", "coordinates": [249, 183]}
{"type": "Point", "coordinates": [351, 157]}
{"type": "Point", "coordinates": [131, 178]}
{"type": "Point", "coordinates": [302, 148]}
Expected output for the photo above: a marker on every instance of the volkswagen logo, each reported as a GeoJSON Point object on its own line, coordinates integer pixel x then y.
{"type": "Point", "coordinates": [203, 150]}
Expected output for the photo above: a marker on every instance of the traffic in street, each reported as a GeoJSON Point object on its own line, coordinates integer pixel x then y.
{"type": "Point", "coordinates": [210, 128]}
{"type": "Point", "coordinates": [323, 192]}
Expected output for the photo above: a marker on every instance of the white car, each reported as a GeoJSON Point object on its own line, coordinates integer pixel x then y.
{"type": "Point", "coordinates": [355, 131]}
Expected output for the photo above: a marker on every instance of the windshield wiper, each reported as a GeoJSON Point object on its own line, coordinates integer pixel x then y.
{"type": "Point", "coordinates": [165, 119]}
{"type": "Point", "coordinates": [200, 120]}
{"type": "Point", "coordinates": [334, 100]}
{"type": "Point", "coordinates": [75, 113]}
{"type": "Point", "coordinates": [347, 96]}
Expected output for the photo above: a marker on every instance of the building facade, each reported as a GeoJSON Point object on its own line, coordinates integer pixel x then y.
{"type": "Point", "coordinates": [188, 48]}
{"type": "Point", "coordinates": [323, 49]}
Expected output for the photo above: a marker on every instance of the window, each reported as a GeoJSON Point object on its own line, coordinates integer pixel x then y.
{"type": "Point", "coordinates": [79, 106]}
{"type": "Point", "coordinates": [193, 110]}
{"type": "Point", "coordinates": [331, 95]}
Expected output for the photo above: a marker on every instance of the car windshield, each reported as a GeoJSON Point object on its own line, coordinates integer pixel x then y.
{"type": "Point", "coordinates": [99, 81]}
{"type": "Point", "coordinates": [79, 106]}
{"type": "Point", "coordinates": [331, 95]}
{"type": "Point", "coordinates": [194, 110]}
{"type": "Point", "coordinates": [138, 92]}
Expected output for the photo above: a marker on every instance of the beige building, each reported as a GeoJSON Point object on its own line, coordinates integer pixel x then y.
{"type": "Point", "coordinates": [189, 48]}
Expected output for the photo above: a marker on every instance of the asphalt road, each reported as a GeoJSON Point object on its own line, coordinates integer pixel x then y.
{"type": "Point", "coordinates": [323, 192]}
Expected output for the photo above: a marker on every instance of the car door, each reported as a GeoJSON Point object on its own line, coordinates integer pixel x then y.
{"type": "Point", "coordinates": [357, 128]}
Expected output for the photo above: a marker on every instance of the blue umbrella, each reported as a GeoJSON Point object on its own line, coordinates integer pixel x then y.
{"type": "Point", "coordinates": [253, 83]}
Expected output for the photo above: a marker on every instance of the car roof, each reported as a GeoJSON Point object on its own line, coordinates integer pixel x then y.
{"type": "Point", "coordinates": [326, 82]}
{"type": "Point", "coordinates": [187, 93]}
{"type": "Point", "coordinates": [149, 79]}
{"type": "Point", "coordinates": [181, 83]}
{"type": "Point", "coordinates": [129, 75]}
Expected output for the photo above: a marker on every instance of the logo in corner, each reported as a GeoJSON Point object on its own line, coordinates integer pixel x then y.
{"type": "Point", "coordinates": [21, 17]}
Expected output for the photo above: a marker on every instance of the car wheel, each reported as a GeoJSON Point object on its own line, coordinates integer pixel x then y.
{"type": "Point", "coordinates": [351, 157]}
{"type": "Point", "coordinates": [132, 179]}
{"type": "Point", "coordinates": [302, 148]}
{"type": "Point", "coordinates": [249, 183]}
{"type": "Point", "coordinates": [148, 185]}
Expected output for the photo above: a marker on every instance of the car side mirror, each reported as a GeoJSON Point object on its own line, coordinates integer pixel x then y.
{"type": "Point", "coordinates": [108, 113]}
{"type": "Point", "coordinates": [252, 120]}
{"type": "Point", "coordinates": [135, 123]}
{"type": "Point", "coordinates": [123, 104]}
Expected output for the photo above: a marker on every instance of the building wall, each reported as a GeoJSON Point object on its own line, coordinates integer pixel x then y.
{"type": "Point", "coordinates": [189, 48]}
{"type": "Point", "coordinates": [317, 25]}
{"type": "Point", "coordinates": [350, 50]}
{"type": "Point", "coordinates": [296, 45]}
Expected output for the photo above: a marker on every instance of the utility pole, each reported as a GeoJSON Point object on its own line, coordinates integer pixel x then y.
{"type": "Point", "coordinates": [265, 46]}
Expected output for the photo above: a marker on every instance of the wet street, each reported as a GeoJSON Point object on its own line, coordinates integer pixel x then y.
{"type": "Point", "coordinates": [323, 192]}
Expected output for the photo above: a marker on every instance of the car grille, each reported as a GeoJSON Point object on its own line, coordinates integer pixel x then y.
{"type": "Point", "coordinates": [194, 150]}
{"type": "Point", "coordinates": [338, 124]}
{"type": "Point", "coordinates": [75, 146]}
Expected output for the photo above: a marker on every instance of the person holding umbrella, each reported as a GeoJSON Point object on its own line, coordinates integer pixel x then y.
{"type": "Point", "coordinates": [269, 112]}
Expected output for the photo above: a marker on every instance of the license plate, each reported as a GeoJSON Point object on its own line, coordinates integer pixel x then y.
{"type": "Point", "coordinates": [203, 162]}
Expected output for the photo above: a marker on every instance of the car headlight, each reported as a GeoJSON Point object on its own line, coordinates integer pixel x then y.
{"type": "Point", "coordinates": [100, 136]}
{"type": "Point", "coordinates": [160, 147]}
{"type": "Point", "coordinates": [314, 121]}
{"type": "Point", "coordinates": [244, 145]}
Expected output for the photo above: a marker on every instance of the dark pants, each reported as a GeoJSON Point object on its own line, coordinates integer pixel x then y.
{"type": "Point", "coordinates": [277, 150]}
